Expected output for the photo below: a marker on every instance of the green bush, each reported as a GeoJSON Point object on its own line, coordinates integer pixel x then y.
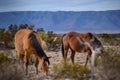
{"type": "Point", "coordinates": [4, 58]}
{"type": "Point", "coordinates": [52, 40]}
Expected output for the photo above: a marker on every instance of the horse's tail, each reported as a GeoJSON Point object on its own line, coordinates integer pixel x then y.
{"type": "Point", "coordinates": [35, 43]}
{"type": "Point", "coordinates": [62, 47]}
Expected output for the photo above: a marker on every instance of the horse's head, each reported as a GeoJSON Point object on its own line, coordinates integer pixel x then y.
{"type": "Point", "coordinates": [44, 63]}
{"type": "Point", "coordinates": [92, 42]}
{"type": "Point", "coordinates": [96, 45]}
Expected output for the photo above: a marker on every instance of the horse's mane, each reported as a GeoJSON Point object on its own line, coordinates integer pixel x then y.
{"type": "Point", "coordinates": [91, 35]}
{"type": "Point", "coordinates": [36, 44]}
{"type": "Point", "coordinates": [96, 40]}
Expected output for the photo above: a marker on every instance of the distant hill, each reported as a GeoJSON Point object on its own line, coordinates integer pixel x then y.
{"type": "Point", "coordinates": [62, 21]}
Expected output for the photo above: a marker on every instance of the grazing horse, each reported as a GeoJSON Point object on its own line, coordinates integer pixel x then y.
{"type": "Point", "coordinates": [78, 42]}
{"type": "Point", "coordinates": [28, 42]}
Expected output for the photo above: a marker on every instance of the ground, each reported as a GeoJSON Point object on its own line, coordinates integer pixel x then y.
{"type": "Point", "coordinates": [56, 58]}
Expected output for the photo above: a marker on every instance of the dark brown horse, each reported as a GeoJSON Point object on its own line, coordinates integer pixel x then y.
{"type": "Point", "coordinates": [28, 42]}
{"type": "Point", "coordinates": [78, 42]}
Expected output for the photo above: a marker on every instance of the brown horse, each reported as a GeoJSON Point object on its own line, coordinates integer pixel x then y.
{"type": "Point", "coordinates": [78, 42]}
{"type": "Point", "coordinates": [28, 42]}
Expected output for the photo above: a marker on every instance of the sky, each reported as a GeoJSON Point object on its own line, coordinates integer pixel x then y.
{"type": "Point", "coordinates": [59, 5]}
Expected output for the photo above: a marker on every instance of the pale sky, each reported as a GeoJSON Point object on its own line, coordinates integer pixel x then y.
{"type": "Point", "coordinates": [59, 5]}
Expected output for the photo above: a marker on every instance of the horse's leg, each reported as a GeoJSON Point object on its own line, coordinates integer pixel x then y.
{"type": "Point", "coordinates": [21, 60]}
{"type": "Point", "coordinates": [92, 61]}
{"type": "Point", "coordinates": [88, 56]}
{"type": "Point", "coordinates": [92, 58]}
{"type": "Point", "coordinates": [65, 55]}
{"type": "Point", "coordinates": [72, 56]}
{"type": "Point", "coordinates": [27, 62]}
{"type": "Point", "coordinates": [36, 64]}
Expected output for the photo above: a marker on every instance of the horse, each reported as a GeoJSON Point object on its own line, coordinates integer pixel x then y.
{"type": "Point", "coordinates": [82, 43]}
{"type": "Point", "coordinates": [28, 42]}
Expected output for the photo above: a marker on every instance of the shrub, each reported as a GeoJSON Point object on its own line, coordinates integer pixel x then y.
{"type": "Point", "coordinates": [4, 58]}
{"type": "Point", "coordinates": [9, 71]}
{"type": "Point", "coordinates": [70, 71]}
{"type": "Point", "coordinates": [110, 64]}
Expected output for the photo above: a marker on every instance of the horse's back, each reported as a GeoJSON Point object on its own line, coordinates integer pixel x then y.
{"type": "Point", "coordinates": [82, 36]}
{"type": "Point", "coordinates": [20, 38]}
{"type": "Point", "coordinates": [70, 40]}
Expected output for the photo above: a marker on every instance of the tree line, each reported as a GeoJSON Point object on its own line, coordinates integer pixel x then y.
{"type": "Point", "coordinates": [51, 39]}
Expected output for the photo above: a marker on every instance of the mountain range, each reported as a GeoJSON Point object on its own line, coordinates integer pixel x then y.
{"type": "Point", "coordinates": [62, 21]}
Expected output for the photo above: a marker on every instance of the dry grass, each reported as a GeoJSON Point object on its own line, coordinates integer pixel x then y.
{"type": "Point", "coordinates": [9, 71]}
{"type": "Point", "coordinates": [110, 65]}
{"type": "Point", "coordinates": [73, 72]}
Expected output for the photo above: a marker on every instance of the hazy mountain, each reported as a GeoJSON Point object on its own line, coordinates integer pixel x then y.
{"type": "Point", "coordinates": [65, 20]}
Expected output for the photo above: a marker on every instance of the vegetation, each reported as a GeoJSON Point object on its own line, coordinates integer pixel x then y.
{"type": "Point", "coordinates": [4, 58]}
{"type": "Point", "coordinates": [7, 35]}
{"type": "Point", "coordinates": [52, 39]}
{"type": "Point", "coordinates": [108, 66]}
{"type": "Point", "coordinates": [8, 71]}
{"type": "Point", "coordinates": [111, 64]}
{"type": "Point", "coordinates": [73, 72]}
{"type": "Point", "coordinates": [109, 39]}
